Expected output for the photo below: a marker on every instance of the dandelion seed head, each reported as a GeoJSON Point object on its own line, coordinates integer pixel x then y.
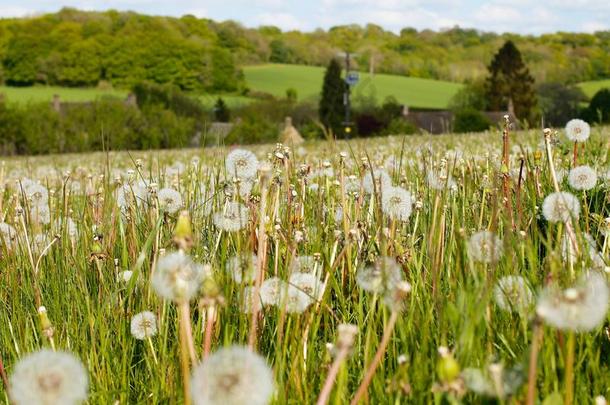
{"type": "Point", "coordinates": [170, 200]}
{"type": "Point", "coordinates": [577, 130]}
{"type": "Point", "coordinates": [308, 283]}
{"type": "Point", "coordinates": [233, 375]}
{"type": "Point", "coordinates": [144, 325]}
{"type": "Point", "coordinates": [241, 163]}
{"type": "Point", "coordinates": [49, 378]}
{"type": "Point", "coordinates": [271, 290]}
{"type": "Point", "coordinates": [242, 268]}
{"type": "Point", "coordinates": [377, 181]}
{"type": "Point", "coordinates": [582, 178]}
{"type": "Point", "coordinates": [560, 207]}
{"type": "Point", "coordinates": [232, 218]}
{"type": "Point", "coordinates": [8, 235]}
{"type": "Point", "coordinates": [177, 277]}
{"type": "Point", "coordinates": [485, 247]}
{"type": "Point", "coordinates": [397, 203]}
{"type": "Point", "coordinates": [581, 307]}
{"type": "Point", "coordinates": [380, 276]}
{"type": "Point", "coordinates": [513, 294]}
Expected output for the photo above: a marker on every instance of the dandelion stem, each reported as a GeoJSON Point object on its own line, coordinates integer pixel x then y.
{"type": "Point", "coordinates": [332, 375]}
{"type": "Point", "coordinates": [209, 326]}
{"type": "Point", "coordinates": [185, 327]}
{"type": "Point", "coordinates": [533, 363]}
{"type": "Point", "coordinates": [569, 377]}
{"type": "Point", "coordinates": [366, 381]}
{"type": "Point", "coordinates": [4, 378]}
{"type": "Point", "coordinates": [184, 363]}
{"type": "Point", "coordinates": [152, 349]}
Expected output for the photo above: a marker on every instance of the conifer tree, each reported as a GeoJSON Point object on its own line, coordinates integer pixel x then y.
{"type": "Point", "coordinates": [331, 108]}
{"type": "Point", "coordinates": [510, 83]}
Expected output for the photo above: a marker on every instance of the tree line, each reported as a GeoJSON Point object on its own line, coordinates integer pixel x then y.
{"type": "Point", "coordinates": [78, 48]}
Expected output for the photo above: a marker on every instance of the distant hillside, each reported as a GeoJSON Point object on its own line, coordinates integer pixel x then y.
{"type": "Point", "coordinates": [307, 81]}
{"type": "Point", "coordinates": [592, 87]}
{"type": "Point", "coordinates": [76, 48]}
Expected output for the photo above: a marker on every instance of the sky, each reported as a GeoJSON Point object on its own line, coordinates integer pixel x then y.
{"type": "Point", "coordinates": [520, 16]}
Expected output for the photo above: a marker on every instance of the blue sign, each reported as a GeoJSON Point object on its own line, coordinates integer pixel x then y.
{"type": "Point", "coordinates": [352, 78]}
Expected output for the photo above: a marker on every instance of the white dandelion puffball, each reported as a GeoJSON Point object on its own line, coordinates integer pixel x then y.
{"type": "Point", "coordinates": [242, 268]}
{"type": "Point", "coordinates": [144, 325]}
{"type": "Point", "coordinates": [397, 203]}
{"type": "Point", "coordinates": [68, 224]}
{"type": "Point", "coordinates": [485, 247]}
{"type": "Point", "coordinates": [577, 130]}
{"type": "Point", "coordinates": [8, 235]}
{"type": "Point", "coordinates": [271, 290]}
{"type": "Point", "coordinates": [294, 301]}
{"type": "Point", "coordinates": [36, 193]}
{"type": "Point", "coordinates": [560, 207]}
{"type": "Point", "coordinates": [232, 218]}
{"type": "Point", "coordinates": [40, 213]}
{"type": "Point", "coordinates": [579, 308]}
{"type": "Point", "coordinates": [304, 264]}
{"type": "Point", "coordinates": [170, 200]}
{"type": "Point", "coordinates": [308, 283]}
{"type": "Point", "coordinates": [241, 163]}
{"type": "Point", "coordinates": [582, 178]}
{"type": "Point", "coordinates": [376, 181]}
{"type": "Point", "coordinates": [513, 294]}
{"type": "Point", "coordinates": [440, 182]}
{"type": "Point", "coordinates": [232, 376]}
{"type": "Point", "coordinates": [49, 378]}
{"type": "Point", "coordinates": [177, 277]}
{"type": "Point", "coordinates": [381, 276]}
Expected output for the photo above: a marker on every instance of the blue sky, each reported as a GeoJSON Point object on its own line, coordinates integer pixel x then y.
{"type": "Point", "coordinates": [522, 16]}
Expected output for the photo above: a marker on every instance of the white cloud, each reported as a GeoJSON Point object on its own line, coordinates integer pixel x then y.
{"type": "Point", "coordinates": [592, 26]}
{"type": "Point", "coordinates": [284, 21]}
{"type": "Point", "coordinates": [198, 12]}
{"type": "Point", "coordinates": [15, 11]}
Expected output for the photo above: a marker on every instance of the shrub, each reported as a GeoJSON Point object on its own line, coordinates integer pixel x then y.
{"type": "Point", "coordinates": [252, 129]}
{"type": "Point", "coordinates": [400, 126]}
{"type": "Point", "coordinates": [470, 120]}
{"type": "Point", "coordinates": [599, 107]}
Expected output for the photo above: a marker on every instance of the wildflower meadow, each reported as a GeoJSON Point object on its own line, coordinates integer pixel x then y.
{"type": "Point", "coordinates": [442, 269]}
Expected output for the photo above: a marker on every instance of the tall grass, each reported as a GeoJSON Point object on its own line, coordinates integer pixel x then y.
{"type": "Point", "coordinates": [450, 304]}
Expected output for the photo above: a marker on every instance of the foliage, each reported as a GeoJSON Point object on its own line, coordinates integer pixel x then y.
{"type": "Point", "coordinates": [104, 124]}
{"type": "Point", "coordinates": [78, 48]}
{"type": "Point", "coordinates": [559, 103]}
{"type": "Point", "coordinates": [599, 107]}
{"type": "Point", "coordinates": [168, 96]}
{"type": "Point", "coordinates": [510, 82]}
{"type": "Point", "coordinates": [470, 120]}
{"type": "Point", "coordinates": [331, 108]}
{"type": "Point", "coordinates": [472, 95]}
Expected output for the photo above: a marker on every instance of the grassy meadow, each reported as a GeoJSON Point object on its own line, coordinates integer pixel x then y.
{"type": "Point", "coordinates": [381, 234]}
{"type": "Point", "coordinates": [307, 81]}
{"type": "Point", "coordinates": [592, 87]}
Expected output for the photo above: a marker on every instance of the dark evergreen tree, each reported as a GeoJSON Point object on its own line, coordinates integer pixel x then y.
{"type": "Point", "coordinates": [599, 107]}
{"type": "Point", "coordinates": [331, 107]}
{"type": "Point", "coordinates": [510, 82]}
{"type": "Point", "coordinates": [221, 111]}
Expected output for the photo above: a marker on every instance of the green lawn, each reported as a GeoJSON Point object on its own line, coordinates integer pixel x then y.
{"type": "Point", "coordinates": [44, 93]}
{"type": "Point", "coordinates": [307, 80]}
{"type": "Point", "coordinates": [590, 88]}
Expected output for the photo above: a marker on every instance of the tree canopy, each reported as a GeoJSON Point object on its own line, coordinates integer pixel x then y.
{"type": "Point", "coordinates": [82, 48]}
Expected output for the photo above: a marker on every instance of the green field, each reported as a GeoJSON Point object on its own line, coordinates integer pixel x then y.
{"type": "Point", "coordinates": [307, 80]}
{"type": "Point", "coordinates": [44, 93]}
{"type": "Point", "coordinates": [590, 88]}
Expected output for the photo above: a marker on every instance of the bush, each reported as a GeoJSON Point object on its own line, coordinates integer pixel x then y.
{"type": "Point", "coordinates": [168, 96]}
{"type": "Point", "coordinates": [470, 120]}
{"type": "Point", "coordinates": [599, 107]}
{"type": "Point", "coordinates": [105, 124]}
{"type": "Point", "coordinates": [400, 126]}
{"type": "Point", "coordinates": [559, 103]}
{"type": "Point", "coordinates": [252, 129]}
